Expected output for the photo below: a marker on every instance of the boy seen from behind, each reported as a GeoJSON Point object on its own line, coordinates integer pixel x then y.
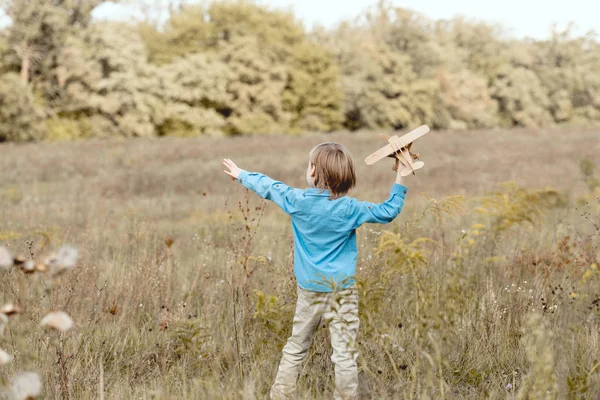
{"type": "Point", "coordinates": [324, 223]}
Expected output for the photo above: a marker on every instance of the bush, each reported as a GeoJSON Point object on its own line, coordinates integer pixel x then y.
{"type": "Point", "coordinates": [65, 128]}
{"type": "Point", "coordinates": [21, 120]}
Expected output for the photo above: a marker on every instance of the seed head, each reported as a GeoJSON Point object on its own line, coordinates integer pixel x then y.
{"type": "Point", "coordinates": [28, 267]}
{"type": "Point", "coordinates": [18, 260]}
{"type": "Point", "coordinates": [41, 267]}
{"type": "Point", "coordinates": [10, 309]}
{"type": "Point", "coordinates": [6, 260]}
{"type": "Point", "coordinates": [26, 386]}
{"type": "Point", "coordinates": [64, 259]}
{"type": "Point", "coordinates": [58, 320]}
{"type": "Point", "coordinates": [5, 358]}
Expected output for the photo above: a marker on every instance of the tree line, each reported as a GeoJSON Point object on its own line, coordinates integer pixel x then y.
{"type": "Point", "coordinates": [236, 67]}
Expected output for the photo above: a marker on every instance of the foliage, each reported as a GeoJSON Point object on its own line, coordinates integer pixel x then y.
{"type": "Point", "coordinates": [516, 205]}
{"type": "Point", "coordinates": [38, 34]}
{"type": "Point", "coordinates": [276, 80]}
{"type": "Point", "coordinates": [61, 128]}
{"type": "Point", "coordinates": [106, 77]}
{"type": "Point", "coordinates": [387, 94]}
{"type": "Point", "coordinates": [237, 67]}
{"type": "Point", "coordinates": [21, 118]}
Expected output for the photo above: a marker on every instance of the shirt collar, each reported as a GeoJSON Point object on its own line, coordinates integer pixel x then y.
{"type": "Point", "coordinates": [317, 192]}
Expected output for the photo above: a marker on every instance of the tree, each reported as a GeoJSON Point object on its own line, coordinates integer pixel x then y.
{"type": "Point", "coordinates": [280, 81]}
{"type": "Point", "coordinates": [194, 91]}
{"type": "Point", "coordinates": [110, 82]}
{"type": "Point", "coordinates": [38, 31]}
{"type": "Point", "coordinates": [237, 67]}
{"type": "Point", "coordinates": [475, 46]}
{"type": "Point", "coordinates": [407, 33]}
{"type": "Point", "coordinates": [256, 89]}
{"type": "Point", "coordinates": [569, 67]}
{"type": "Point", "coordinates": [35, 41]}
{"type": "Point", "coordinates": [385, 93]}
{"type": "Point", "coordinates": [465, 101]}
{"type": "Point", "coordinates": [522, 98]}
{"type": "Point", "coordinates": [105, 77]}
{"type": "Point", "coordinates": [314, 93]}
{"type": "Point", "coordinates": [21, 119]}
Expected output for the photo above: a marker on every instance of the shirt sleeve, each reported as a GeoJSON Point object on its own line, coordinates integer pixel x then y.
{"type": "Point", "coordinates": [270, 189]}
{"type": "Point", "coordinates": [382, 213]}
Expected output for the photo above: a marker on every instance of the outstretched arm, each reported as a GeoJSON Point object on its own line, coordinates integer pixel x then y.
{"type": "Point", "coordinates": [267, 188]}
{"type": "Point", "coordinates": [382, 213]}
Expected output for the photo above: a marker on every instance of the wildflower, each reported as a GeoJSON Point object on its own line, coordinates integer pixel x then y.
{"type": "Point", "coordinates": [41, 267]}
{"type": "Point", "coordinates": [64, 259]}
{"type": "Point", "coordinates": [28, 267]}
{"type": "Point", "coordinates": [6, 260]}
{"type": "Point", "coordinates": [18, 260]}
{"type": "Point", "coordinates": [26, 385]}
{"type": "Point", "coordinates": [10, 309]}
{"type": "Point", "coordinates": [508, 387]}
{"type": "Point", "coordinates": [58, 320]}
{"type": "Point", "coordinates": [5, 358]}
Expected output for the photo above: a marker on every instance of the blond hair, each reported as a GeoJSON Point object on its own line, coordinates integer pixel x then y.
{"type": "Point", "coordinates": [334, 168]}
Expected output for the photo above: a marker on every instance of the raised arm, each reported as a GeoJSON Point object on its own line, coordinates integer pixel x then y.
{"type": "Point", "coordinates": [381, 213]}
{"type": "Point", "coordinates": [267, 188]}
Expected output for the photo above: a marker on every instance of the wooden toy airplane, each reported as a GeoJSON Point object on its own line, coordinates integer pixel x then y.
{"type": "Point", "coordinates": [399, 148]}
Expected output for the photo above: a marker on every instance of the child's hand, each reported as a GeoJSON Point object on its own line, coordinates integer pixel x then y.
{"type": "Point", "coordinates": [234, 170]}
{"type": "Point", "coordinates": [398, 168]}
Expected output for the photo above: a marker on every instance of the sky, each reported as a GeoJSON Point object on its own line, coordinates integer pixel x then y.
{"type": "Point", "coordinates": [521, 18]}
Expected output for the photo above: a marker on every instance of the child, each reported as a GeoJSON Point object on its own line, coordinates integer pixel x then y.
{"type": "Point", "coordinates": [324, 223]}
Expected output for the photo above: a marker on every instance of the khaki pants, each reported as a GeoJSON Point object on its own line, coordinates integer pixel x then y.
{"type": "Point", "coordinates": [340, 310]}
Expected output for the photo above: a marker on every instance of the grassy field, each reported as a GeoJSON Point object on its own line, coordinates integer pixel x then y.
{"type": "Point", "coordinates": [184, 290]}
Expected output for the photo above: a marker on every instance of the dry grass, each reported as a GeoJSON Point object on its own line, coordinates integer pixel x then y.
{"type": "Point", "coordinates": [447, 316]}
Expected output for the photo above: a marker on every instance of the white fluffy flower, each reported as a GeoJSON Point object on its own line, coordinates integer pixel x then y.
{"type": "Point", "coordinates": [58, 320]}
{"type": "Point", "coordinates": [28, 267]}
{"type": "Point", "coordinates": [5, 358]}
{"type": "Point", "coordinates": [6, 260]}
{"type": "Point", "coordinates": [26, 385]}
{"type": "Point", "coordinates": [67, 256]}
{"type": "Point", "coordinates": [64, 259]}
{"type": "Point", "coordinates": [9, 309]}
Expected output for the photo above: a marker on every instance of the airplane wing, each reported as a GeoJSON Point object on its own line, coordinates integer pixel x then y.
{"type": "Point", "coordinates": [405, 140]}
{"type": "Point", "coordinates": [380, 154]}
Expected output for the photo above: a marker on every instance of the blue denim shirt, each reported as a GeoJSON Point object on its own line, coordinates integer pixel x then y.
{"type": "Point", "coordinates": [324, 230]}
